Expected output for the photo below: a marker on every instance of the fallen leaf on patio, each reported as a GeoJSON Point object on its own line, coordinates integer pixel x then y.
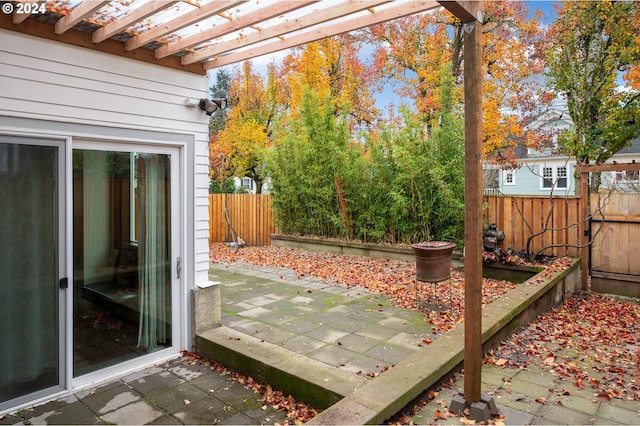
{"type": "Point", "coordinates": [604, 395]}
{"type": "Point", "coordinates": [264, 407]}
{"type": "Point", "coordinates": [439, 414]}
{"type": "Point", "coordinates": [541, 400]}
{"type": "Point", "coordinates": [187, 402]}
{"type": "Point", "coordinates": [501, 362]}
{"type": "Point", "coordinates": [467, 421]}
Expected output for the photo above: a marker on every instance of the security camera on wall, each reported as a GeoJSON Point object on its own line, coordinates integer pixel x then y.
{"type": "Point", "coordinates": [209, 106]}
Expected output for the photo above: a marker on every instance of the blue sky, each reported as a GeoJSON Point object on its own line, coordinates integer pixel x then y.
{"type": "Point", "coordinates": [545, 6]}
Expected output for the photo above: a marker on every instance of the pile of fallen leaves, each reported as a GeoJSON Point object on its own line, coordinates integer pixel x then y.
{"type": "Point", "coordinates": [592, 341]}
{"type": "Point", "coordinates": [297, 412]}
{"type": "Point", "coordinates": [394, 278]}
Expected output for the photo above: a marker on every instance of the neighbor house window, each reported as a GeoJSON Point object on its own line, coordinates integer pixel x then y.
{"type": "Point", "coordinates": [561, 177]}
{"type": "Point", "coordinates": [247, 183]}
{"type": "Point", "coordinates": [547, 177]}
{"type": "Point", "coordinates": [508, 177]}
{"type": "Point", "coordinates": [554, 177]}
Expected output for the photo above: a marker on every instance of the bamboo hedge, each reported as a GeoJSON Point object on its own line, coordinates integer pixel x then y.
{"type": "Point", "coordinates": [403, 185]}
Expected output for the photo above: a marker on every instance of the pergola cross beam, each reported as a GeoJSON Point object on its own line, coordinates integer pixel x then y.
{"type": "Point", "coordinates": [181, 22]}
{"type": "Point", "coordinates": [245, 21]}
{"type": "Point", "coordinates": [297, 39]}
{"type": "Point", "coordinates": [139, 14]}
{"type": "Point", "coordinates": [78, 14]}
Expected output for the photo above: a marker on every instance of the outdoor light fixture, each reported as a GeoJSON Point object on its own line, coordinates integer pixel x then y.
{"type": "Point", "coordinates": [209, 106]}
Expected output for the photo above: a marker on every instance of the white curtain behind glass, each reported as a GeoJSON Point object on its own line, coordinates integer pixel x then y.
{"type": "Point", "coordinates": [153, 249]}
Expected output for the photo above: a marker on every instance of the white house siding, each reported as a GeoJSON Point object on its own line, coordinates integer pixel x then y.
{"type": "Point", "coordinates": [45, 80]}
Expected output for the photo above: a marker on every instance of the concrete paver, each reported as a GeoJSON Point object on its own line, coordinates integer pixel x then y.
{"type": "Point", "coordinates": [535, 396]}
{"type": "Point", "coordinates": [348, 329]}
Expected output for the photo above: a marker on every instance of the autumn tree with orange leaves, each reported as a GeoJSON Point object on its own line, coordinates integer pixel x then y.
{"type": "Point", "coordinates": [415, 49]}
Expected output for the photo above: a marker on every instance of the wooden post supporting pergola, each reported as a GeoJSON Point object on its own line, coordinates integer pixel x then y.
{"type": "Point", "coordinates": [585, 238]}
{"type": "Point", "coordinates": [469, 12]}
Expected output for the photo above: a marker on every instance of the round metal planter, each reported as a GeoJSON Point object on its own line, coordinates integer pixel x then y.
{"type": "Point", "coordinates": [433, 260]}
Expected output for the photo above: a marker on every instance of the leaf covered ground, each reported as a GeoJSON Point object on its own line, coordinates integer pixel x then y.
{"type": "Point", "coordinates": [590, 345]}
{"type": "Point", "coordinates": [591, 341]}
{"type": "Point", "coordinates": [394, 278]}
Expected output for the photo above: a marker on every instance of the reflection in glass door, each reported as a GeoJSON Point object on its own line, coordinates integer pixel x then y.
{"type": "Point", "coordinates": [29, 265]}
{"type": "Point", "coordinates": [121, 256]}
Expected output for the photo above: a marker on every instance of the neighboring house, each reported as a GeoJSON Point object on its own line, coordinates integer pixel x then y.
{"type": "Point", "coordinates": [545, 172]}
{"type": "Point", "coordinates": [248, 185]}
{"type": "Point", "coordinates": [245, 184]}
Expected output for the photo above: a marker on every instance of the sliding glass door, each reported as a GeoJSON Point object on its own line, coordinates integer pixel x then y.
{"type": "Point", "coordinates": [123, 254]}
{"type": "Point", "coordinates": [109, 215]}
{"type": "Point", "coordinates": [32, 260]}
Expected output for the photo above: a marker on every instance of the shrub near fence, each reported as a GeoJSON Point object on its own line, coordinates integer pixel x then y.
{"type": "Point", "coordinates": [252, 218]}
{"type": "Point", "coordinates": [250, 215]}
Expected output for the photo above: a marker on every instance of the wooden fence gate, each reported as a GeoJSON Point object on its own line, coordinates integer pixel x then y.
{"type": "Point", "coordinates": [615, 251]}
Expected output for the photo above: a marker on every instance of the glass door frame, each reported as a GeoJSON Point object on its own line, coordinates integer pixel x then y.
{"type": "Point", "coordinates": [178, 293]}
{"type": "Point", "coordinates": [64, 250]}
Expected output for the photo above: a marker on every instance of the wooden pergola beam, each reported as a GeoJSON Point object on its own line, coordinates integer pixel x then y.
{"type": "Point", "coordinates": [607, 167]}
{"type": "Point", "coordinates": [313, 18]}
{"type": "Point", "coordinates": [464, 10]}
{"type": "Point", "coordinates": [74, 37]}
{"type": "Point", "coordinates": [180, 22]}
{"type": "Point", "coordinates": [78, 14]}
{"type": "Point", "coordinates": [375, 17]}
{"type": "Point", "coordinates": [241, 22]}
{"type": "Point", "coordinates": [19, 17]}
{"type": "Point", "coordinates": [139, 14]}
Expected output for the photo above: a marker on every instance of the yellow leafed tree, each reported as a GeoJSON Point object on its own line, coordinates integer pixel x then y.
{"type": "Point", "coordinates": [248, 130]}
{"type": "Point", "coordinates": [331, 67]}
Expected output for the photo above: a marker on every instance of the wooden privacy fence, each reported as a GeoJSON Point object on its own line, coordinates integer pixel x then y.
{"type": "Point", "coordinates": [250, 215]}
{"type": "Point", "coordinates": [520, 217]}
